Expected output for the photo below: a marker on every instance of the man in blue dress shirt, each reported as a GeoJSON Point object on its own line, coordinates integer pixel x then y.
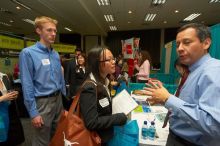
{"type": "Point", "coordinates": [195, 115]}
{"type": "Point", "coordinates": [42, 82]}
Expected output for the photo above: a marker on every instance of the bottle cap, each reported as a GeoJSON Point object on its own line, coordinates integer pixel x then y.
{"type": "Point", "coordinates": [145, 122]}
{"type": "Point", "coordinates": [152, 123]}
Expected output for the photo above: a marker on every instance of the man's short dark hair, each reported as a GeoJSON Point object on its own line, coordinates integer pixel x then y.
{"type": "Point", "coordinates": [78, 49]}
{"type": "Point", "coordinates": [203, 32]}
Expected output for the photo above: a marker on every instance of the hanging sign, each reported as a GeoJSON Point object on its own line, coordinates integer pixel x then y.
{"type": "Point", "coordinates": [11, 43]}
{"type": "Point", "coordinates": [64, 48]}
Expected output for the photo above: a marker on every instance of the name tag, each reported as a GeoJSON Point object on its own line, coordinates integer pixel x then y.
{"type": "Point", "coordinates": [45, 61]}
{"type": "Point", "coordinates": [104, 102]}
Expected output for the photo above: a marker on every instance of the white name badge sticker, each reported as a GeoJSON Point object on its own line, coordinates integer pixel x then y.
{"type": "Point", "coordinates": [45, 61]}
{"type": "Point", "coordinates": [104, 102]}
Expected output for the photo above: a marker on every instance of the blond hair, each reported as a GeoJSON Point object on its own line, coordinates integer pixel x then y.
{"type": "Point", "coordinates": [43, 19]}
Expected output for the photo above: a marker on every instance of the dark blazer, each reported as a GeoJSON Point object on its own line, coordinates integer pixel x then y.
{"type": "Point", "coordinates": [80, 77]}
{"type": "Point", "coordinates": [96, 111]}
{"type": "Point", "coordinates": [70, 76]}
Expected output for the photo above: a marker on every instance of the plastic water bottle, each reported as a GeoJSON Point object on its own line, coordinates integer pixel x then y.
{"type": "Point", "coordinates": [152, 131]}
{"type": "Point", "coordinates": [144, 130]}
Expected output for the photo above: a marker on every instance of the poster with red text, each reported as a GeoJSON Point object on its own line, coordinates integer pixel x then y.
{"type": "Point", "coordinates": [129, 47]}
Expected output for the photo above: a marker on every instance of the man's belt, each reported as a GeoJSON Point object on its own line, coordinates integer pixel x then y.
{"type": "Point", "coordinates": [56, 93]}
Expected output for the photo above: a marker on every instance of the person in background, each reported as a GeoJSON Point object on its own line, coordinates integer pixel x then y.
{"type": "Point", "coordinates": [42, 82]}
{"type": "Point", "coordinates": [96, 109]}
{"type": "Point", "coordinates": [194, 118]}
{"type": "Point", "coordinates": [70, 75]}
{"type": "Point", "coordinates": [136, 65]}
{"type": "Point", "coordinates": [124, 69]}
{"type": "Point", "coordinates": [8, 110]}
{"type": "Point", "coordinates": [64, 61]}
{"type": "Point", "coordinates": [16, 73]}
{"type": "Point", "coordinates": [182, 70]}
{"type": "Point", "coordinates": [80, 69]}
{"type": "Point", "coordinates": [80, 73]}
{"type": "Point", "coordinates": [118, 66]}
{"type": "Point", "coordinates": [144, 69]}
{"type": "Point", "coordinates": [120, 60]}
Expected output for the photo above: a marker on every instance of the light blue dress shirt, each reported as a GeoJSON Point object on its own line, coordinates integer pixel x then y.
{"type": "Point", "coordinates": [196, 113]}
{"type": "Point", "coordinates": [41, 74]}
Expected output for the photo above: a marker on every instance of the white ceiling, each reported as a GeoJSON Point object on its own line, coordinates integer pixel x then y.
{"type": "Point", "coordinates": [86, 17]}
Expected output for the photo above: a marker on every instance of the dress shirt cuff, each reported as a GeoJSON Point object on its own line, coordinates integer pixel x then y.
{"type": "Point", "coordinates": [64, 92]}
{"type": "Point", "coordinates": [173, 103]}
{"type": "Point", "coordinates": [33, 113]}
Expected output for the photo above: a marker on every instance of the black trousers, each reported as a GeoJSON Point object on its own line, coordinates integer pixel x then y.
{"type": "Point", "coordinates": [174, 140]}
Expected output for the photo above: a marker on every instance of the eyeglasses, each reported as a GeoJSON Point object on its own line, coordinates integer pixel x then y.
{"type": "Point", "coordinates": [109, 60]}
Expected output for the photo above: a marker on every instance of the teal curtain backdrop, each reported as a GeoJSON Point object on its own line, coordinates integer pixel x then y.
{"type": "Point", "coordinates": [215, 46]}
{"type": "Point", "coordinates": [173, 57]}
{"type": "Point", "coordinates": [173, 72]}
{"type": "Point", "coordinates": [163, 60]}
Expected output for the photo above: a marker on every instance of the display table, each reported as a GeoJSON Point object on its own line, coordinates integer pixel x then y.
{"type": "Point", "coordinates": [154, 115]}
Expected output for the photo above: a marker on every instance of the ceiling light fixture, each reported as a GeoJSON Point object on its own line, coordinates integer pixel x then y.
{"type": "Point", "coordinates": [5, 24]}
{"type": "Point", "coordinates": [3, 10]}
{"type": "Point", "coordinates": [150, 17]}
{"type": "Point", "coordinates": [214, 1]}
{"type": "Point", "coordinates": [21, 4]}
{"type": "Point", "coordinates": [11, 21]}
{"type": "Point", "coordinates": [129, 12]}
{"type": "Point", "coordinates": [109, 18]}
{"type": "Point", "coordinates": [29, 21]}
{"type": "Point", "coordinates": [67, 28]}
{"type": "Point", "coordinates": [192, 16]}
{"type": "Point", "coordinates": [103, 2]}
{"type": "Point", "coordinates": [18, 7]}
{"type": "Point", "coordinates": [113, 28]}
{"type": "Point", "coordinates": [158, 2]}
{"type": "Point", "coordinates": [176, 11]}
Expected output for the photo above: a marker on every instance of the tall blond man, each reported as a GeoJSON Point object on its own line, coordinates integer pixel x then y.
{"type": "Point", "coordinates": [42, 81]}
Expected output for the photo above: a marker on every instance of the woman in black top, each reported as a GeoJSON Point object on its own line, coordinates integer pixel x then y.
{"type": "Point", "coordinates": [95, 101]}
{"type": "Point", "coordinates": [80, 70]}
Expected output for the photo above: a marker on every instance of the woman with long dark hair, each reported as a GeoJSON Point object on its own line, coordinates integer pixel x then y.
{"type": "Point", "coordinates": [80, 70]}
{"type": "Point", "coordinates": [95, 100]}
